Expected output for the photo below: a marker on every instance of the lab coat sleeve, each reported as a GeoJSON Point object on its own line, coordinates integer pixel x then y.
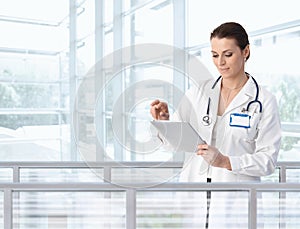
{"type": "Point", "coordinates": [267, 144]}
{"type": "Point", "coordinates": [186, 111]}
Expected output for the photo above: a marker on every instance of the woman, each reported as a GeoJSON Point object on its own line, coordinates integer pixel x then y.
{"type": "Point", "coordinates": [243, 137]}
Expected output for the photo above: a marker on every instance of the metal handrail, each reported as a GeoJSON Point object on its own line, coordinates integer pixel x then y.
{"type": "Point", "coordinates": [83, 164]}
{"type": "Point", "coordinates": [251, 188]}
{"type": "Point", "coordinates": [115, 164]}
{"type": "Point", "coordinates": [131, 189]}
{"type": "Point", "coordinates": [107, 166]}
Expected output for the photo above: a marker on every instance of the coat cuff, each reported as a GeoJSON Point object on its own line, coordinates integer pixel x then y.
{"type": "Point", "coordinates": [235, 163]}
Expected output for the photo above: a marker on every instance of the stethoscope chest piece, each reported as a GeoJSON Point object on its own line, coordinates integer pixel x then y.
{"type": "Point", "coordinates": [206, 120]}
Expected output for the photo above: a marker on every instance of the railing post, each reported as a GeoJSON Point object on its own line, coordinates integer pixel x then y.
{"type": "Point", "coordinates": [8, 209]}
{"type": "Point", "coordinates": [131, 209]}
{"type": "Point", "coordinates": [107, 173]}
{"type": "Point", "coordinates": [282, 174]}
{"type": "Point", "coordinates": [16, 174]}
{"type": "Point", "coordinates": [252, 216]}
{"type": "Point", "coordinates": [282, 198]}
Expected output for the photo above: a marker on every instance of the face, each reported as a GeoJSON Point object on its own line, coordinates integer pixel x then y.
{"type": "Point", "coordinates": [228, 57]}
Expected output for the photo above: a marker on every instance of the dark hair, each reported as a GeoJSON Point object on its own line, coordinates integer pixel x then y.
{"type": "Point", "coordinates": [232, 30]}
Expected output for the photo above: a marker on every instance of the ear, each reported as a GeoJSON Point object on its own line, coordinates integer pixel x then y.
{"type": "Point", "coordinates": [246, 51]}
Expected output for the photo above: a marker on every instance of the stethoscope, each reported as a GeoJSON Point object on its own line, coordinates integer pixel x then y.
{"type": "Point", "coordinates": [206, 118]}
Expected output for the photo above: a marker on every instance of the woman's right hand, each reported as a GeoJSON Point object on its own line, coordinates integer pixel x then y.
{"type": "Point", "coordinates": [159, 110]}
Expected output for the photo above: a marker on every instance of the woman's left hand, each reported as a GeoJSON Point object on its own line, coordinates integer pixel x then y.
{"type": "Point", "coordinates": [213, 156]}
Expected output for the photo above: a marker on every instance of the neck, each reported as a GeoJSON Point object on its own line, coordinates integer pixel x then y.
{"type": "Point", "coordinates": [236, 83]}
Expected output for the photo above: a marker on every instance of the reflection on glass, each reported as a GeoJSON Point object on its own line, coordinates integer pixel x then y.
{"type": "Point", "coordinates": [85, 19]}
{"type": "Point", "coordinates": [37, 141]}
{"type": "Point", "coordinates": [86, 56]}
{"type": "Point", "coordinates": [188, 210]}
{"type": "Point", "coordinates": [278, 210]}
{"type": "Point", "coordinates": [1, 210]}
{"type": "Point", "coordinates": [34, 80]}
{"type": "Point", "coordinates": [155, 175]}
{"type": "Point", "coordinates": [69, 210]}
{"type": "Point", "coordinates": [61, 175]}
{"type": "Point", "coordinates": [293, 175]}
{"type": "Point", "coordinates": [6, 175]}
{"type": "Point", "coordinates": [153, 24]}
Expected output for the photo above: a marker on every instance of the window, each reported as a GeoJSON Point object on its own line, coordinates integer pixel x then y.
{"type": "Point", "coordinates": [42, 74]}
{"type": "Point", "coordinates": [34, 86]}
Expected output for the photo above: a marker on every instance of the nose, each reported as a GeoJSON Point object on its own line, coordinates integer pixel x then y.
{"type": "Point", "coordinates": [221, 61]}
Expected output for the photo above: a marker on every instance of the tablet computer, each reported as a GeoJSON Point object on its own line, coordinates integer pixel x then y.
{"type": "Point", "coordinates": [180, 135]}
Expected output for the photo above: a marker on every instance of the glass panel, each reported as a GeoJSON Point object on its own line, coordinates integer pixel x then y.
{"type": "Point", "coordinates": [64, 210]}
{"type": "Point", "coordinates": [133, 133]}
{"type": "Point", "coordinates": [61, 175]}
{"type": "Point", "coordinates": [85, 19]}
{"type": "Point", "coordinates": [1, 209]}
{"type": "Point", "coordinates": [86, 56]}
{"type": "Point", "coordinates": [279, 210]}
{"type": "Point", "coordinates": [86, 38]}
{"type": "Point", "coordinates": [28, 121]}
{"type": "Point", "coordinates": [149, 22]}
{"type": "Point", "coordinates": [40, 142]}
{"type": "Point", "coordinates": [286, 74]}
{"type": "Point", "coordinates": [34, 80]}
{"type": "Point", "coordinates": [35, 38]}
{"type": "Point", "coordinates": [30, 96]}
{"type": "Point", "coordinates": [108, 16]}
{"type": "Point", "coordinates": [108, 41]}
{"type": "Point", "coordinates": [152, 175]}
{"type": "Point", "coordinates": [37, 34]}
{"type": "Point", "coordinates": [51, 11]}
{"type": "Point", "coordinates": [202, 16]}
{"type": "Point", "coordinates": [293, 175]}
{"type": "Point", "coordinates": [274, 177]}
{"type": "Point", "coordinates": [6, 175]}
{"type": "Point", "coordinates": [189, 210]}
{"type": "Point", "coordinates": [29, 68]}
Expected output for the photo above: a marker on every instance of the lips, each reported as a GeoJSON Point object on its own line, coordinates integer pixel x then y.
{"type": "Point", "coordinates": [223, 69]}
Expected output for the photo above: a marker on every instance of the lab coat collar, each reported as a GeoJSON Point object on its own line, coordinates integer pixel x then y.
{"type": "Point", "coordinates": [246, 95]}
{"type": "Point", "coordinates": [241, 100]}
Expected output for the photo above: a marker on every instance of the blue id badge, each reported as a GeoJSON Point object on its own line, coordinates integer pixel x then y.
{"type": "Point", "coordinates": [240, 120]}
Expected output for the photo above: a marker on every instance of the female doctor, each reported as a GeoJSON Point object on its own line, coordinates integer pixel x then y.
{"type": "Point", "coordinates": [237, 118]}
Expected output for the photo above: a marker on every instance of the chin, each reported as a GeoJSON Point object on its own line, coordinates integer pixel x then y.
{"type": "Point", "coordinates": [226, 75]}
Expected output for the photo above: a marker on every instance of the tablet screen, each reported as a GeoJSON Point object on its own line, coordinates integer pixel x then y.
{"type": "Point", "coordinates": [180, 135]}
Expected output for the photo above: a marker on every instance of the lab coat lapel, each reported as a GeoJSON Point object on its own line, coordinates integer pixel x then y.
{"type": "Point", "coordinates": [243, 97]}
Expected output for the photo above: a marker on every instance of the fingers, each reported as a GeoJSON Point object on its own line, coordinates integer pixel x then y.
{"type": "Point", "coordinates": [202, 149]}
{"type": "Point", "coordinates": [154, 112]}
{"type": "Point", "coordinates": [155, 102]}
{"type": "Point", "coordinates": [159, 110]}
{"type": "Point", "coordinates": [210, 154]}
{"type": "Point", "coordinates": [164, 116]}
{"type": "Point", "coordinates": [153, 109]}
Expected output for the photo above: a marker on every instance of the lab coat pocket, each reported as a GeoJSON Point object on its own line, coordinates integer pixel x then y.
{"type": "Point", "coordinates": [253, 130]}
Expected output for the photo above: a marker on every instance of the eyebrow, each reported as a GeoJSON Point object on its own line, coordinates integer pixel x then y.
{"type": "Point", "coordinates": [227, 50]}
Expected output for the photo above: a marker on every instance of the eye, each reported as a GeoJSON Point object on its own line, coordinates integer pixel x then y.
{"type": "Point", "coordinates": [215, 55]}
{"type": "Point", "coordinates": [228, 54]}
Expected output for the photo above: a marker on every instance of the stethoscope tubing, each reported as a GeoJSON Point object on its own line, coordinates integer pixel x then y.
{"type": "Point", "coordinates": [207, 120]}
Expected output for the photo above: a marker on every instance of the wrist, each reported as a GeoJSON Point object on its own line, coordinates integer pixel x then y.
{"type": "Point", "coordinates": [226, 163]}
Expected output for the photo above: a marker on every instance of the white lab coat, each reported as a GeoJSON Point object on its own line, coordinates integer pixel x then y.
{"type": "Point", "coordinates": [252, 152]}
